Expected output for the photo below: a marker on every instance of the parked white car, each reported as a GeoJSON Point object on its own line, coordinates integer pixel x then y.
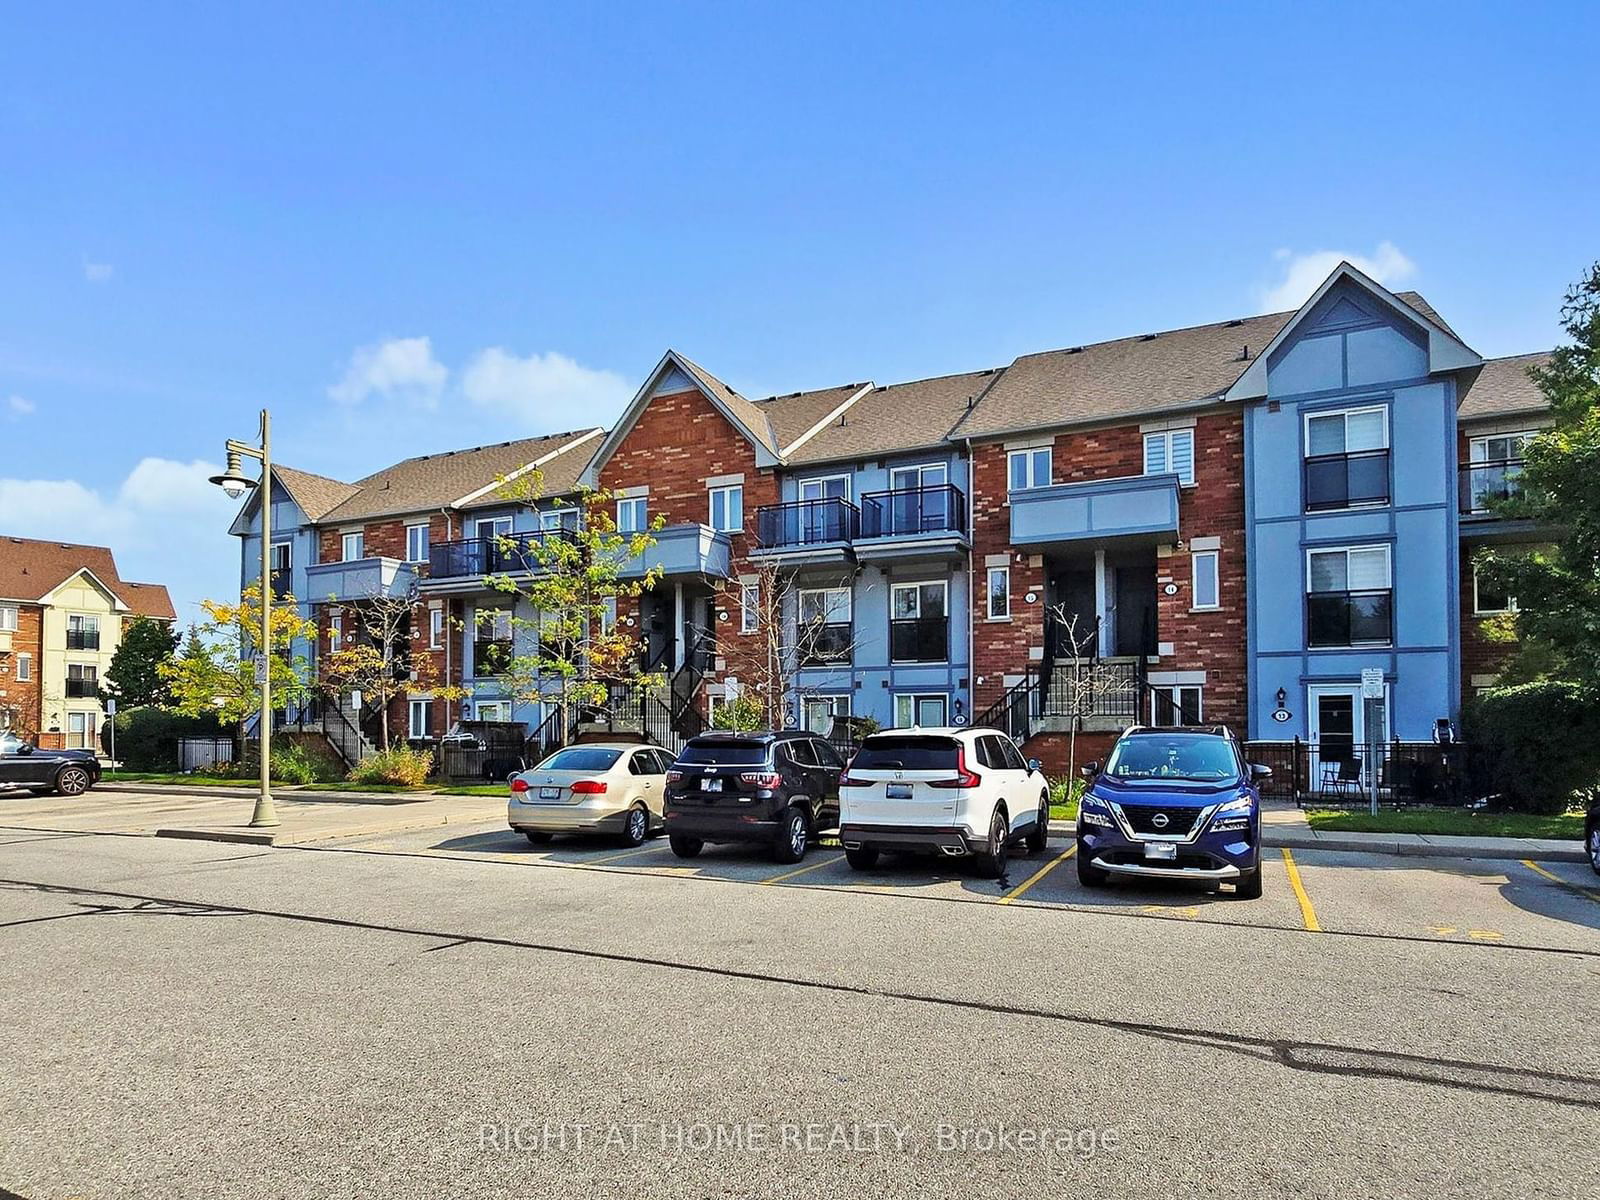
{"type": "Point", "coordinates": [601, 787]}
{"type": "Point", "coordinates": [955, 792]}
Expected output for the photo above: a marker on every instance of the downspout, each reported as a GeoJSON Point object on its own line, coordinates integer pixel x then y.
{"type": "Point", "coordinates": [448, 536]}
{"type": "Point", "coordinates": [972, 619]}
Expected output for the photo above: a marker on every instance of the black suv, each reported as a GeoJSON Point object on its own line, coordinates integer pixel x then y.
{"type": "Point", "coordinates": [776, 788]}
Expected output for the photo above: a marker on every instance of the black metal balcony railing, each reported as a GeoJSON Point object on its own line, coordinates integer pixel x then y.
{"type": "Point", "coordinates": [1350, 618]}
{"type": "Point", "coordinates": [807, 523]}
{"type": "Point", "coordinates": [910, 511]}
{"type": "Point", "coordinates": [824, 643]}
{"type": "Point", "coordinates": [491, 556]}
{"type": "Point", "coordinates": [1344, 480]}
{"type": "Point", "coordinates": [82, 689]}
{"type": "Point", "coordinates": [1485, 484]}
{"type": "Point", "coordinates": [83, 639]}
{"type": "Point", "coordinates": [920, 639]}
{"type": "Point", "coordinates": [491, 656]}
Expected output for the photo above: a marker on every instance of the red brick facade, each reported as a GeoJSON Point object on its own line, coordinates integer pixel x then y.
{"type": "Point", "coordinates": [22, 698]}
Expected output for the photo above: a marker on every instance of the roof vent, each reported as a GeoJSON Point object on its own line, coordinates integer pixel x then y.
{"type": "Point", "coordinates": [841, 420]}
{"type": "Point", "coordinates": [1244, 355]}
{"type": "Point", "coordinates": [1149, 337]}
{"type": "Point", "coordinates": [1075, 350]}
{"type": "Point", "coordinates": [1235, 323]}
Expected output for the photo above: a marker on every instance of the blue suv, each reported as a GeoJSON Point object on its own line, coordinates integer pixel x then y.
{"type": "Point", "coordinates": [1173, 804]}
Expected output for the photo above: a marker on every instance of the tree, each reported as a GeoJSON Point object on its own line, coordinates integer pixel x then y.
{"type": "Point", "coordinates": [216, 672]}
{"type": "Point", "coordinates": [1083, 681]}
{"type": "Point", "coordinates": [1557, 586]}
{"type": "Point", "coordinates": [134, 678]}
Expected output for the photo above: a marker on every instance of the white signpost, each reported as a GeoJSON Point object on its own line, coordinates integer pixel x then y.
{"type": "Point", "coordinates": [1372, 690]}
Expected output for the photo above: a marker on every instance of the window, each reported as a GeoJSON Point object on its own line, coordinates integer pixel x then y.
{"type": "Point", "coordinates": [83, 633]}
{"type": "Point", "coordinates": [336, 632]}
{"type": "Point", "coordinates": [494, 623]}
{"type": "Point", "coordinates": [749, 607]}
{"type": "Point", "coordinates": [8, 618]}
{"type": "Point", "coordinates": [824, 633]}
{"type": "Point", "coordinates": [282, 557]}
{"type": "Point", "coordinates": [1488, 598]}
{"type": "Point", "coordinates": [918, 629]}
{"type": "Point", "coordinates": [999, 593]}
{"type": "Point", "coordinates": [1178, 704]}
{"type": "Point", "coordinates": [435, 628]}
{"type": "Point", "coordinates": [1349, 600]}
{"type": "Point", "coordinates": [416, 543]}
{"type": "Point", "coordinates": [828, 487]}
{"type": "Point", "coordinates": [904, 479]}
{"type": "Point", "coordinates": [24, 668]}
{"type": "Point", "coordinates": [1028, 469]}
{"type": "Point", "coordinates": [497, 710]}
{"type": "Point", "coordinates": [1347, 458]}
{"type": "Point", "coordinates": [493, 527]}
{"type": "Point", "coordinates": [83, 680]}
{"type": "Point", "coordinates": [608, 614]}
{"type": "Point", "coordinates": [926, 710]}
{"type": "Point", "coordinates": [353, 546]}
{"type": "Point", "coordinates": [1170, 452]}
{"type": "Point", "coordinates": [820, 711]}
{"type": "Point", "coordinates": [420, 725]}
{"type": "Point", "coordinates": [1495, 470]}
{"type": "Point", "coordinates": [1203, 564]}
{"type": "Point", "coordinates": [558, 518]}
{"type": "Point", "coordinates": [631, 515]}
{"type": "Point", "coordinates": [80, 730]}
{"type": "Point", "coordinates": [727, 508]}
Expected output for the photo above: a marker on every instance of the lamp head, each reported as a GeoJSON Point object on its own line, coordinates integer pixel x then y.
{"type": "Point", "coordinates": [233, 481]}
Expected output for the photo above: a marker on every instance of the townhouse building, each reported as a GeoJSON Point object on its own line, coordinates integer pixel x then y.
{"type": "Point", "coordinates": [1236, 523]}
{"type": "Point", "coordinates": [63, 610]}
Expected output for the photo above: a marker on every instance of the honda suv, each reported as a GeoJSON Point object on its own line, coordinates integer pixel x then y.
{"type": "Point", "coordinates": [772, 788]}
{"type": "Point", "coordinates": [956, 792]}
{"type": "Point", "coordinates": [1173, 804]}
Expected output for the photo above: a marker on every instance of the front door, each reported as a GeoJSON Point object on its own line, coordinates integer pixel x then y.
{"type": "Point", "coordinates": [1341, 725]}
{"type": "Point", "coordinates": [1134, 586]}
{"type": "Point", "coordinates": [1074, 590]}
{"type": "Point", "coordinates": [823, 522]}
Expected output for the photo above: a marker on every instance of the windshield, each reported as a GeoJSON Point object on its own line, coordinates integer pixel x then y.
{"type": "Point", "coordinates": [743, 754]}
{"type": "Point", "coordinates": [581, 758]}
{"type": "Point", "coordinates": [9, 743]}
{"type": "Point", "coordinates": [907, 754]}
{"type": "Point", "coordinates": [1202, 758]}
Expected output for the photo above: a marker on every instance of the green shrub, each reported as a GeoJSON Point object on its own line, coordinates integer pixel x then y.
{"type": "Point", "coordinates": [291, 764]}
{"type": "Point", "coordinates": [402, 766]}
{"type": "Point", "coordinates": [1535, 746]}
{"type": "Point", "coordinates": [1066, 791]}
{"type": "Point", "coordinates": [744, 712]}
{"type": "Point", "coordinates": [147, 738]}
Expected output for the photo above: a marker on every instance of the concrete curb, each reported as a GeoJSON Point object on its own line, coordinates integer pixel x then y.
{"type": "Point", "coordinates": [288, 791]}
{"type": "Point", "coordinates": [243, 837]}
{"type": "Point", "coordinates": [1439, 847]}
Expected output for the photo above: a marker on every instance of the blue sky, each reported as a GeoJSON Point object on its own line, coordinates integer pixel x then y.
{"type": "Point", "coordinates": [407, 228]}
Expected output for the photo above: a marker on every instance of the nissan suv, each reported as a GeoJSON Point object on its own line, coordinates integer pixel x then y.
{"type": "Point", "coordinates": [777, 789]}
{"type": "Point", "coordinates": [1173, 804]}
{"type": "Point", "coordinates": [960, 793]}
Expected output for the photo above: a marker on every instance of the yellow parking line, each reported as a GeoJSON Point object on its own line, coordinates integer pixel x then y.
{"type": "Point", "coordinates": [595, 862]}
{"type": "Point", "coordinates": [1307, 913]}
{"type": "Point", "coordinates": [826, 862]}
{"type": "Point", "coordinates": [1039, 874]}
{"type": "Point", "coordinates": [1587, 893]}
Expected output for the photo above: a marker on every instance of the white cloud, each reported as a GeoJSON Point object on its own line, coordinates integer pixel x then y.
{"type": "Point", "coordinates": [97, 272]}
{"type": "Point", "coordinates": [396, 369]}
{"type": "Point", "coordinates": [21, 406]}
{"type": "Point", "coordinates": [543, 391]}
{"type": "Point", "coordinates": [1302, 273]}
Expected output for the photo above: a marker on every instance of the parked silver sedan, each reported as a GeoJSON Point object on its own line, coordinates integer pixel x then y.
{"type": "Point", "coordinates": [599, 788]}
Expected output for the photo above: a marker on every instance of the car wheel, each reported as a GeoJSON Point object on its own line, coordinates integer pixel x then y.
{"type": "Point", "coordinates": [1249, 886]}
{"type": "Point", "coordinates": [1088, 874]}
{"type": "Point", "coordinates": [537, 836]}
{"type": "Point", "coordinates": [1594, 847]}
{"type": "Point", "coordinates": [992, 863]}
{"type": "Point", "coordinates": [862, 858]}
{"type": "Point", "coordinates": [794, 836]}
{"type": "Point", "coordinates": [72, 781]}
{"type": "Point", "coordinates": [635, 826]}
{"type": "Point", "coordinates": [1039, 837]}
{"type": "Point", "coordinates": [684, 846]}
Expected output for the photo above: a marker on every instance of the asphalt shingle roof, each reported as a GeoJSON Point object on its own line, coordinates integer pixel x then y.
{"type": "Point", "coordinates": [748, 412]}
{"type": "Point", "coordinates": [899, 417]}
{"type": "Point", "coordinates": [1503, 388]}
{"type": "Point", "coordinates": [315, 494]}
{"type": "Point", "coordinates": [30, 568]}
{"type": "Point", "coordinates": [793, 415]}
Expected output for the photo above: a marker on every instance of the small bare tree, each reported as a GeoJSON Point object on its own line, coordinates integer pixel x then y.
{"type": "Point", "coordinates": [1086, 681]}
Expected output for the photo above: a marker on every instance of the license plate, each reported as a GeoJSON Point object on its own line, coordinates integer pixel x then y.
{"type": "Point", "coordinates": [549, 793]}
{"type": "Point", "coordinates": [711, 785]}
{"type": "Point", "coordinates": [898, 791]}
{"type": "Point", "coordinates": [1165, 850]}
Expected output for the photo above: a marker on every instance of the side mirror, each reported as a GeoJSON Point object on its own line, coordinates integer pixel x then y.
{"type": "Point", "coordinates": [1090, 769]}
{"type": "Point", "coordinates": [1257, 771]}
{"type": "Point", "coordinates": [1034, 764]}
{"type": "Point", "coordinates": [25, 748]}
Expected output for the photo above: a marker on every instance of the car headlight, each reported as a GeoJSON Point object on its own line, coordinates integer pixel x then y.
{"type": "Point", "coordinates": [1094, 810]}
{"type": "Point", "coordinates": [1232, 816]}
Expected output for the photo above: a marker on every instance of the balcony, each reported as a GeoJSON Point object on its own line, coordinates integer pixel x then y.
{"type": "Point", "coordinates": [680, 550]}
{"type": "Point", "coordinates": [82, 689]}
{"type": "Point", "coordinates": [1334, 481]}
{"type": "Point", "coordinates": [912, 521]}
{"type": "Point", "coordinates": [1350, 618]}
{"type": "Point", "coordinates": [817, 531]}
{"type": "Point", "coordinates": [83, 639]}
{"type": "Point", "coordinates": [358, 579]}
{"type": "Point", "coordinates": [825, 644]}
{"type": "Point", "coordinates": [1482, 488]}
{"type": "Point", "coordinates": [919, 640]}
{"type": "Point", "coordinates": [1136, 508]}
{"type": "Point", "coordinates": [462, 566]}
{"type": "Point", "coordinates": [491, 656]}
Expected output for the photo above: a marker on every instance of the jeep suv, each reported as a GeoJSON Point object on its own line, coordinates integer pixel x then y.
{"type": "Point", "coordinates": [1173, 804]}
{"type": "Point", "coordinates": [773, 788]}
{"type": "Point", "coordinates": [956, 792]}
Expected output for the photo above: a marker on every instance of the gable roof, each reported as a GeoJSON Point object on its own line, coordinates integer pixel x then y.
{"type": "Point", "coordinates": [31, 569]}
{"type": "Point", "coordinates": [315, 494]}
{"type": "Point", "coordinates": [1503, 388]}
{"type": "Point", "coordinates": [900, 417]}
{"type": "Point", "coordinates": [793, 416]}
{"type": "Point", "coordinates": [455, 477]}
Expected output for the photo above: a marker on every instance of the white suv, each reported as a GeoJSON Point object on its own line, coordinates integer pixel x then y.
{"type": "Point", "coordinates": [956, 792]}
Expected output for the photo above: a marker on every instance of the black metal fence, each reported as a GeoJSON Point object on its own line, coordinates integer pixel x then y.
{"type": "Point", "coordinates": [1341, 773]}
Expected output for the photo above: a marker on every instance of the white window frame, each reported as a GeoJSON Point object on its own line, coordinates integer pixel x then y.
{"type": "Point", "coordinates": [411, 532]}
{"type": "Point", "coordinates": [1478, 610]}
{"type": "Point", "coordinates": [1174, 693]}
{"type": "Point", "coordinates": [496, 706]}
{"type": "Point", "coordinates": [820, 483]}
{"type": "Point", "coordinates": [749, 606]}
{"type": "Point", "coordinates": [360, 543]}
{"type": "Point", "coordinates": [335, 632]}
{"type": "Point", "coordinates": [1216, 580]}
{"type": "Point", "coordinates": [725, 491]}
{"type": "Point", "coordinates": [638, 508]}
{"type": "Point", "coordinates": [494, 615]}
{"type": "Point", "coordinates": [83, 623]}
{"type": "Point", "coordinates": [415, 704]}
{"type": "Point", "coordinates": [288, 556]}
{"type": "Point", "coordinates": [491, 527]}
{"type": "Point", "coordinates": [838, 706]}
{"type": "Point", "coordinates": [846, 592]}
{"type": "Point", "coordinates": [89, 732]}
{"type": "Point", "coordinates": [922, 472]}
{"type": "Point", "coordinates": [1030, 472]}
{"type": "Point", "coordinates": [24, 668]}
{"type": "Point", "coordinates": [435, 628]}
{"type": "Point", "coordinates": [552, 519]}
{"type": "Point", "coordinates": [989, 593]}
{"type": "Point", "coordinates": [1166, 437]}
{"type": "Point", "coordinates": [608, 615]}
{"type": "Point", "coordinates": [1478, 446]}
{"type": "Point", "coordinates": [1388, 559]}
{"type": "Point", "coordinates": [916, 699]}
{"type": "Point", "coordinates": [917, 585]}
{"type": "Point", "coordinates": [1322, 413]}
{"type": "Point", "coordinates": [8, 618]}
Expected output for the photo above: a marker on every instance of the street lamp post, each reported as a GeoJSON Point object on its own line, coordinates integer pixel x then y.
{"type": "Point", "coordinates": [234, 482]}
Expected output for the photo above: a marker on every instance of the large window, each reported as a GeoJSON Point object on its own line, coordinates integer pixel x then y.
{"type": "Point", "coordinates": [727, 508]}
{"type": "Point", "coordinates": [1488, 598]}
{"type": "Point", "coordinates": [83, 632]}
{"type": "Point", "coordinates": [1028, 468]}
{"type": "Point", "coordinates": [820, 711]}
{"type": "Point", "coordinates": [282, 557]}
{"type": "Point", "coordinates": [1495, 470]}
{"type": "Point", "coordinates": [83, 681]}
{"type": "Point", "coordinates": [1349, 596]}
{"type": "Point", "coordinates": [1170, 452]}
{"type": "Point", "coordinates": [824, 633]}
{"type": "Point", "coordinates": [493, 527]}
{"type": "Point", "coordinates": [353, 546]}
{"type": "Point", "coordinates": [416, 543]}
{"type": "Point", "coordinates": [1347, 458]}
{"type": "Point", "coordinates": [926, 710]}
{"type": "Point", "coordinates": [919, 626]}
{"type": "Point", "coordinates": [80, 730]}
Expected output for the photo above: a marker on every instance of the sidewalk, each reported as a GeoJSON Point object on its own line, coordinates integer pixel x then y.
{"type": "Point", "coordinates": [1287, 826]}
{"type": "Point", "coordinates": [326, 816]}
